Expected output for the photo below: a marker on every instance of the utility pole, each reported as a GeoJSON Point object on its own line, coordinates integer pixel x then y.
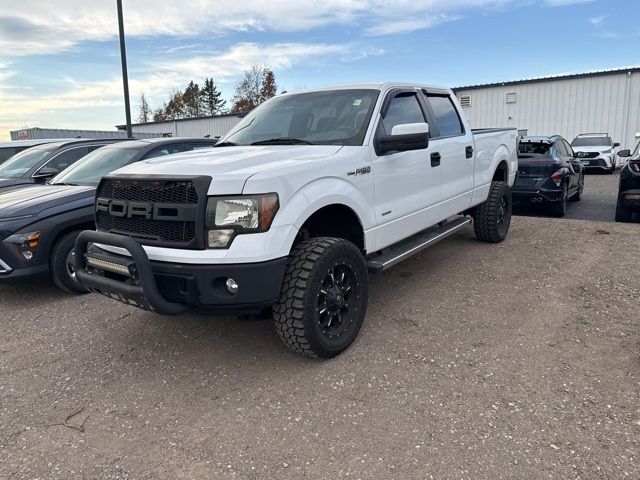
{"type": "Point", "coordinates": [125, 76]}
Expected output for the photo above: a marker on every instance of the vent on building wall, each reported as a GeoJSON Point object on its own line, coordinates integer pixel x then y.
{"type": "Point", "coordinates": [465, 101]}
{"type": "Point", "coordinates": [511, 97]}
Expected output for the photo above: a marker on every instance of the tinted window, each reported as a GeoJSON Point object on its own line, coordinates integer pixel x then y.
{"type": "Point", "coordinates": [166, 150]}
{"type": "Point", "coordinates": [402, 109]}
{"type": "Point", "coordinates": [66, 158]}
{"type": "Point", "coordinates": [533, 148]}
{"type": "Point", "coordinates": [592, 142]}
{"type": "Point", "coordinates": [90, 169]}
{"type": "Point", "coordinates": [6, 153]}
{"type": "Point", "coordinates": [446, 116]}
{"type": "Point", "coordinates": [22, 162]}
{"type": "Point", "coordinates": [568, 148]}
{"type": "Point", "coordinates": [198, 146]}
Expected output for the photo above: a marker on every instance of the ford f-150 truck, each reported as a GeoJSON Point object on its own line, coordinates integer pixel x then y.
{"type": "Point", "coordinates": [294, 207]}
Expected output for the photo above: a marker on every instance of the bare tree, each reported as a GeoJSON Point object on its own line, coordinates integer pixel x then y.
{"type": "Point", "coordinates": [257, 85]}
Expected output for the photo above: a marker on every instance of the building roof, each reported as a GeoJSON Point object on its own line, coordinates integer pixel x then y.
{"type": "Point", "coordinates": [594, 73]}
{"type": "Point", "coordinates": [222, 115]}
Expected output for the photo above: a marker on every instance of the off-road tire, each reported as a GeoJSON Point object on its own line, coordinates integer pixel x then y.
{"type": "Point", "coordinates": [559, 209]}
{"type": "Point", "coordinates": [297, 317]}
{"type": "Point", "coordinates": [489, 223]}
{"type": "Point", "coordinates": [60, 274]}
{"type": "Point", "coordinates": [623, 214]}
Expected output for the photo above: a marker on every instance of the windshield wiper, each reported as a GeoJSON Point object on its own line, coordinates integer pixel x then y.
{"type": "Point", "coordinates": [282, 141]}
{"type": "Point", "coordinates": [65, 183]}
{"type": "Point", "coordinates": [226, 144]}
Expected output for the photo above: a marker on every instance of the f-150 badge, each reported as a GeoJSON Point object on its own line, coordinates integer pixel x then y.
{"type": "Point", "coordinates": [360, 171]}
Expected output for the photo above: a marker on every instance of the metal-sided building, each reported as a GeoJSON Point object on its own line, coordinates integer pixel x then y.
{"type": "Point", "coordinates": [602, 101]}
{"type": "Point", "coordinates": [214, 126]}
{"type": "Point", "coordinates": [36, 133]}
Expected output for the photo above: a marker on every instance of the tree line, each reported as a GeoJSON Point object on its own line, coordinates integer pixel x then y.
{"type": "Point", "coordinates": [257, 85]}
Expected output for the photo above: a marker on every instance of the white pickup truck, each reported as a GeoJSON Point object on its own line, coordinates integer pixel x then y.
{"type": "Point", "coordinates": [294, 207]}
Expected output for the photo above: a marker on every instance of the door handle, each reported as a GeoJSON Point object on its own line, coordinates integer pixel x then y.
{"type": "Point", "coordinates": [435, 159]}
{"type": "Point", "coordinates": [469, 151]}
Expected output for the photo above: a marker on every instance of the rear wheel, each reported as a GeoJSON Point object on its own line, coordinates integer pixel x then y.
{"type": "Point", "coordinates": [559, 209]}
{"type": "Point", "coordinates": [622, 214]}
{"type": "Point", "coordinates": [324, 297]}
{"type": "Point", "coordinates": [492, 218]}
{"type": "Point", "coordinates": [578, 195]}
{"type": "Point", "coordinates": [62, 266]}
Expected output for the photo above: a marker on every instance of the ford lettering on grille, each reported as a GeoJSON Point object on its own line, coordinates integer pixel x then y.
{"type": "Point", "coordinates": [147, 210]}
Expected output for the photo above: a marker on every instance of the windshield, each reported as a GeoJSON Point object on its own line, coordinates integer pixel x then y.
{"type": "Point", "coordinates": [24, 161]}
{"type": "Point", "coordinates": [592, 142]}
{"type": "Point", "coordinates": [327, 118]}
{"type": "Point", "coordinates": [90, 169]}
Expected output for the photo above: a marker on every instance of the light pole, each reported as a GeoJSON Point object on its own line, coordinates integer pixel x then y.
{"type": "Point", "coordinates": [125, 77]}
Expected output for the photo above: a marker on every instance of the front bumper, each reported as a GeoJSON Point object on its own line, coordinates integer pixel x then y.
{"type": "Point", "coordinates": [597, 164]}
{"type": "Point", "coordinates": [174, 288]}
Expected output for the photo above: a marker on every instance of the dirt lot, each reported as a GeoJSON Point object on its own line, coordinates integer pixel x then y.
{"type": "Point", "coordinates": [519, 360]}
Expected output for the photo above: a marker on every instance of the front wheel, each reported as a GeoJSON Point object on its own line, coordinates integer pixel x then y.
{"type": "Point", "coordinates": [62, 266]}
{"type": "Point", "coordinates": [324, 297]}
{"type": "Point", "coordinates": [492, 218]}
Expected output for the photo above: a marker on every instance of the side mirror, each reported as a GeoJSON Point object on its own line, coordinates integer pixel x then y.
{"type": "Point", "coordinates": [45, 173]}
{"type": "Point", "coordinates": [624, 153]}
{"type": "Point", "coordinates": [616, 144]}
{"type": "Point", "coordinates": [404, 137]}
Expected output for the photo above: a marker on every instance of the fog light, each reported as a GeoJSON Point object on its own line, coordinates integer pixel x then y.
{"type": "Point", "coordinates": [232, 286]}
{"type": "Point", "coordinates": [220, 238]}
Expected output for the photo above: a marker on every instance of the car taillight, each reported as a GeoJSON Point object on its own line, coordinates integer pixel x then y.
{"type": "Point", "coordinates": [634, 165]}
{"type": "Point", "coordinates": [557, 177]}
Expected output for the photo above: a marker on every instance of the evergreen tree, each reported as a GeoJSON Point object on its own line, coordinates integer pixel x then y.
{"type": "Point", "coordinates": [192, 101]}
{"type": "Point", "coordinates": [212, 98]}
{"type": "Point", "coordinates": [144, 110]}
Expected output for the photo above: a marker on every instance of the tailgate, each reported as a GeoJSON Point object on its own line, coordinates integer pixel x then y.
{"type": "Point", "coordinates": [532, 170]}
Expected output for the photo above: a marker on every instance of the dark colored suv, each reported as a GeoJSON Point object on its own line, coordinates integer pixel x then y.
{"type": "Point", "coordinates": [41, 163]}
{"type": "Point", "coordinates": [548, 174]}
{"type": "Point", "coordinates": [629, 186]}
{"type": "Point", "coordinates": [39, 223]}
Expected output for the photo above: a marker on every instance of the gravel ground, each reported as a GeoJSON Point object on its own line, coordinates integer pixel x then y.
{"type": "Point", "coordinates": [478, 361]}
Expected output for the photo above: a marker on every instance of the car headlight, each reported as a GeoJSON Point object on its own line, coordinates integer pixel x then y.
{"type": "Point", "coordinates": [230, 216]}
{"type": "Point", "coordinates": [26, 243]}
{"type": "Point", "coordinates": [607, 151]}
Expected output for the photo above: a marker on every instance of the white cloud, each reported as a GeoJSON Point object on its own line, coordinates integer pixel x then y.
{"type": "Point", "coordinates": [597, 20]}
{"type": "Point", "coordinates": [564, 3]}
{"type": "Point", "coordinates": [17, 110]}
{"type": "Point", "coordinates": [37, 27]}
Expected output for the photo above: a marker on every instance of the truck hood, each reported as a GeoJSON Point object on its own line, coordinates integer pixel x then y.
{"type": "Point", "coordinates": [229, 167]}
{"type": "Point", "coordinates": [32, 200]}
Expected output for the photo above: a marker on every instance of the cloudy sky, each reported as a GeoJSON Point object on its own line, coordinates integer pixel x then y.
{"type": "Point", "coordinates": [59, 61]}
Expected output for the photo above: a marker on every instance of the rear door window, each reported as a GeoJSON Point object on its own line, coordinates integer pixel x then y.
{"type": "Point", "coordinates": [445, 115]}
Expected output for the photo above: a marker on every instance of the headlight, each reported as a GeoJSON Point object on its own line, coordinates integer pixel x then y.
{"type": "Point", "coordinates": [607, 151]}
{"type": "Point", "coordinates": [26, 243]}
{"type": "Point", "coordinates": [231, 216]}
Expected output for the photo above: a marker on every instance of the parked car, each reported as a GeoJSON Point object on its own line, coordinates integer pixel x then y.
{"type": "Point", "coordinates": [39, 223]}
{"type": "Point", "coordinates": [43, 162]}
{"type": "Point", "coordinates": [548, 174]}
{"type": "Point", "coordinates": [596, 151]}
{"type": "Point", "coordinates": [294, 205]}
{"type": "Point", "coordinates": [9, 149]}
{"type": "Point", "coordinates": [629, 186]}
